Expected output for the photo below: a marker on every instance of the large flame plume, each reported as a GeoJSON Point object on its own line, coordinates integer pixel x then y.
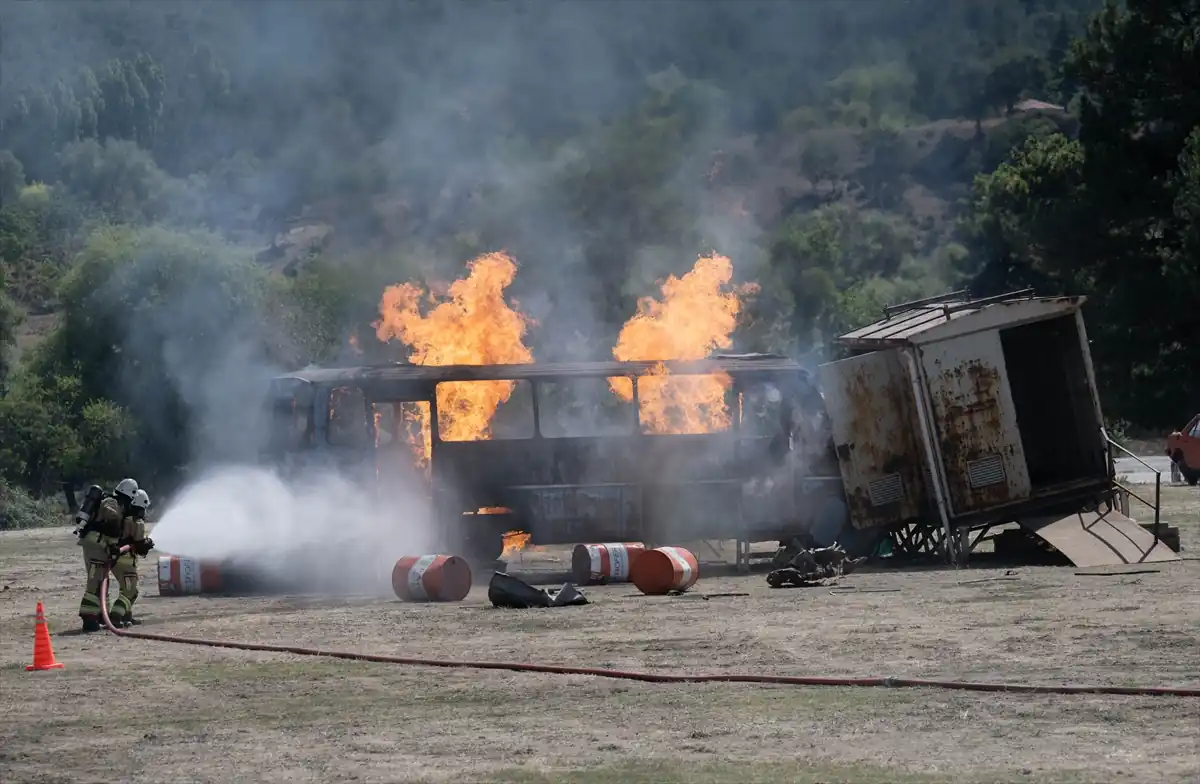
{"type": "Point", "coordinates": [473, 325]}
{"type": "Point", "coordinates": [696, 315]}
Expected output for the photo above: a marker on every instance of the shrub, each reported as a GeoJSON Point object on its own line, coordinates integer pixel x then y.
{"type": "Point", "coordinates": [19, 510]}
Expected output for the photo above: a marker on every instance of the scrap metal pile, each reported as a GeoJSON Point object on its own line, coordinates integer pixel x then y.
{"type": "Point", "coordinates": [799, 566]}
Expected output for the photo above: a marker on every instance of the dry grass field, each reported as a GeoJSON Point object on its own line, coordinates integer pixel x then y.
{"type": "Point", "coordinates": [145, 711]}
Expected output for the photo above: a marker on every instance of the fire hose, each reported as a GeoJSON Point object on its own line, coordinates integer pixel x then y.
{"type": "Point", "coordinates": [646, 677]}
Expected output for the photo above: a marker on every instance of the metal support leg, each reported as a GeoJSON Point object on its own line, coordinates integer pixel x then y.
{"type": "Point", "coordinates": [743, 556]}
{"type": "Point", "coordinates": [743, 541]}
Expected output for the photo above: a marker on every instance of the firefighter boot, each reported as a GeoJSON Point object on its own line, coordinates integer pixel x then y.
{"type": "Point", "coordinates": [131, 621]}
{"type": "Point", "coordinates": [90, 624]}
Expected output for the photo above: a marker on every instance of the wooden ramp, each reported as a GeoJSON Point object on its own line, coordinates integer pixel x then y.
{"type": "Point", "coordinates": [1100, 539]}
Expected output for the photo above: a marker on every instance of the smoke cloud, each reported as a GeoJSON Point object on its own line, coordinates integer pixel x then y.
{"type": "Point", "coordinates": [319, 533]}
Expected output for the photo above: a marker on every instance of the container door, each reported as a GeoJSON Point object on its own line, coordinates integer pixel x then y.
{"type": "Point", "coordinates": [976, 422]}
{"type": "Point", "coordinates": [876, 435]}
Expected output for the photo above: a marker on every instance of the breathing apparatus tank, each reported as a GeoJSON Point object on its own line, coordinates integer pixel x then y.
{"type": "Point", "coordinates": [88, 509]}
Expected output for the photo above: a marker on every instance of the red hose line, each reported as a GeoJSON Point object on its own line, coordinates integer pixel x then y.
{"type": "Point", "coordinates": [650, 677]}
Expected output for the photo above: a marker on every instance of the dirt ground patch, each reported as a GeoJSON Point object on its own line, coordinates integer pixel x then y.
{"type": "Point", "coordinates": [144, 711]}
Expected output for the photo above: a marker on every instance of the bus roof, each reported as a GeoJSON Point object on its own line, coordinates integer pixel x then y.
{"type": "Point", "coordinates": [402, 371]}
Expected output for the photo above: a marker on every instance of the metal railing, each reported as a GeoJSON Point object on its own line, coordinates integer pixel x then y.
{"type": "Point", "coordinates": [1157, 482]}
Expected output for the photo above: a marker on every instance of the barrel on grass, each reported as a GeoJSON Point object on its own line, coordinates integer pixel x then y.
{"type": "Point", "coordinates": [181, 576]}
{"type": "Point", "coordinates": [663, 570]}
{"type": "Point", "coordinates": [431, 578]}
{"type": "Point", "coordinates": [592, 564]}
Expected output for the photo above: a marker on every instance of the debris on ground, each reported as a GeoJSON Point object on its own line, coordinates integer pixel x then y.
{"type": "Point", "coordinates": [686, 595]}
{"type": "Point", "coordinates": [509, 592]}
{"type": "Point", "coordinates": [801, 566]}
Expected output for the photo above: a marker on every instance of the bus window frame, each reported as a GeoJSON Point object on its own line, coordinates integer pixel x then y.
{"type": "Point", "coordinates": [634, 402]}
{"type": "Point", "coordinates": [303, 397]}
{"type": "Point", "coordinates": [435, 420]}
{"type": "Point", "coordinates": [368, 422]}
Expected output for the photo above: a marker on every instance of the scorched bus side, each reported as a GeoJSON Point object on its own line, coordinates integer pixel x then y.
{"type": "Point", "coordinates": [568, 461]}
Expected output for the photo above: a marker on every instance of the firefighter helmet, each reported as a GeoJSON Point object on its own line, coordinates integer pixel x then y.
{"type": "Point", "coordinates": [141, 500]}
{"type": "Point", "coordinates": [126, 487]}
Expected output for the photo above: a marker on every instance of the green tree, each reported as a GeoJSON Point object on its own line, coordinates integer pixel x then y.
{"type": "Point", "coordinates": [1013, 77]}
{"type": "Point", "coordinates": [1030, 222]}
{"type": "Point", "coordinates": [161, 323]}
{"type": "Point", "coordinates": [1111, 215]}
{"type": "Point", "coordinates": [118, 177]}
{"type": "Point", "coordinates": [10, 319]}
{"type": "Point", "coordinates": [37, 231]}
{"type": "Point", "coordinates": [37, 446]}
{"type": "Point", "coordinates": [90, 100]}
{"type": "Point", "coordinates": [12, 178]}
{"type": "Point", "coordinates": [840, 264]}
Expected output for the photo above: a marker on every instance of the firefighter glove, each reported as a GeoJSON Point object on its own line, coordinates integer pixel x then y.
{"type": "Point", "coordinates": [143, 547]}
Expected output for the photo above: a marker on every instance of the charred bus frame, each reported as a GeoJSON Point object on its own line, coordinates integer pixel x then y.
{"type": "Point", "coordinates": [743, 483]}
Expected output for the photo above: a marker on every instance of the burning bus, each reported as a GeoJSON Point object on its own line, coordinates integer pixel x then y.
{"type": "Point", "coordinates": [590, 451]}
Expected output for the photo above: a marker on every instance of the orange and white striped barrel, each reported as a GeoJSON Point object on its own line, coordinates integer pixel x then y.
{"type": "Point", "coordinates": [592, 564]}
{"type": "Point", "coordinates": [431, 578]}
{"type": "Point", "coordinates": [179, 576]}
{"type": "Point", "coordinates": [663, 570]}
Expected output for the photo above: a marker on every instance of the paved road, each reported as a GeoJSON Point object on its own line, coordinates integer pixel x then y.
{"type": "Point", "coordinates": [1137, 474]}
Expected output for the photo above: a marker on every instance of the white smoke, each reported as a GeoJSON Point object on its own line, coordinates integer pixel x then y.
{"type": "Point", "coordinates": [319, 533]}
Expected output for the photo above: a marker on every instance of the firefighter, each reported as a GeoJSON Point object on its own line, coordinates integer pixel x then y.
{"type": "Point", "coordinates": [98, 538]}
{"type": "Point", "coordinates": [133, 534]}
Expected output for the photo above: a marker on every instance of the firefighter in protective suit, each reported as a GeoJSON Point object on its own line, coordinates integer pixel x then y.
{"type": "Point", "coordinates": [99, 542]}
{"type": "Point", "coordinates": [133, 534]}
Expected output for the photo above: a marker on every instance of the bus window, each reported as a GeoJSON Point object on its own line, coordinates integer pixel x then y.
{"type": "Point", "coordinates": [762, 410]}
{"type": "Point", "coordinates": [291, 424]}
{"type": "Point", "coordinates": [403, 426]}
{"type": "Point", "coordinates": [768, 417]}
{"type": "Point", "coordinates": [582, 408]}
{"type": "Point", "coordinates": [348, 418]}
{"type": "Point", "coordinates": [483, 410]}
{"type": "Point", "coordinates": [684, 404]}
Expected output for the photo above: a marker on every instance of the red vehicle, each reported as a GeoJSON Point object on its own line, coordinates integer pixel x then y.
{"type": "Point", "coordinates": [1183, 447]}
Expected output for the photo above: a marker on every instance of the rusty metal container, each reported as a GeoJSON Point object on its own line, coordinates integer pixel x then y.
{"type": "Point", "coordinates": [431, 578]}
{"type": "Point", "coordinates": [181, 576]}
{"type": "Point", "coordinates": [664, 570]}
{"type": "Point", "coordinates": [596, 564]}
{"type": "Point", "coordinates": [980, 405]}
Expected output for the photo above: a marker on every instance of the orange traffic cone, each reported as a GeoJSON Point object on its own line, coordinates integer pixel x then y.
{"type": "Point", "coordinates": [43, 651]}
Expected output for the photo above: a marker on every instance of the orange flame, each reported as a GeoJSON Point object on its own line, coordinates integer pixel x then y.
{"type": "Point", "coordinates": [474, 326]}
{"type": "Point", "coordinates": [415, 416]}
{"type": "Point", "coordinates": [515, 542]}
{"type": "Point", "coordinates": [697, 314]}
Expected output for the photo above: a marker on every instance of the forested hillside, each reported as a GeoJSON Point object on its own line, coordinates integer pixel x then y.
{"type": "Point", "coordinates": [192, 189]}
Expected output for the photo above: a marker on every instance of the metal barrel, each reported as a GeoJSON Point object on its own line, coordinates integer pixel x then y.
{"type": "Point", "coordinates": [664, 569]}
{"type": "Point", "coordinates": [182, 576]}
{"type": "Point", "coordinates": [431, 578]}
{"type": "Point", "coordinates": [593, 564]}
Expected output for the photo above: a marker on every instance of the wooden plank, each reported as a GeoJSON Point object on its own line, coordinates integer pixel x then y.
{"type": "Point", "coordinates": [1099, 539]}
